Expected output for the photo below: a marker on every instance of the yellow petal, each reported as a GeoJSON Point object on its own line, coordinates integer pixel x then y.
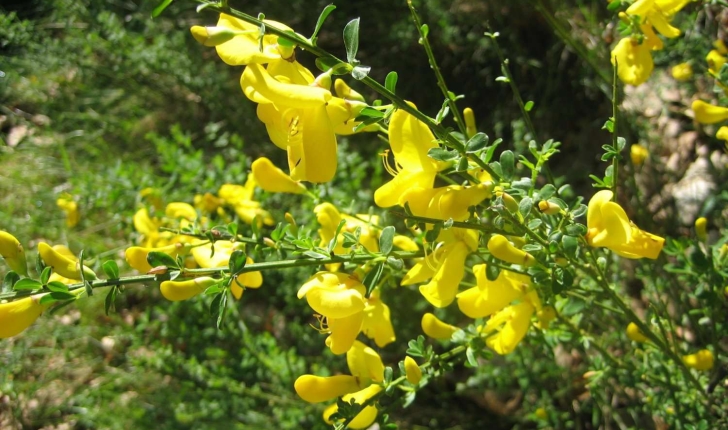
{"type": "Point", "coordinates": [706, 113]}
{"type": "Point", "coordinates": [633, 61]}
{"type": "Point", "coordinates": [206, 258]}
{"type": "Point", "coordinates": [436, 329]}
{"type": "Point", "coordinates": [410, 140]}
{"type": "Point", "coordinates": [275, 123]}
{"type": "Point", "coordinates": [391, 193]}
{"type": "Point", "coordinates": [18, 315]}
{"type": "Point", "coordinates": [273, 179]}
{"type": "Point", "coordinates": [722, 133]}
{"type": "Point", "coordinates": [344, 332]}
{"type": "Point", "coordinates": [412, 370]}
{"type": "Point", "coordinates": [366, 417]}
{"type": "Point", "coordinates": [312, 151]}
{"type": "Point", "coordinates": [701, 360]}
{"type": "Point", "coordinates": [335, 295]}
{"type": "Point", "coordinates": [516, 321]}
{"type": "Point", "coordinates": [365, 364]}
{"type": "Point", "coordinates": [244, 48]}
{"type": "Point", "coordinates": [136, 256]}
{"type": "Point", "coordinates": [292, 71]}
{"type": "Point", "coordinates": [13, 253]}
{"type": "Point", "coordinates": [180, 210]}
{"type": "Point", "coordinates": [659, 21]}
{"type": "Point", "coordinates": [489, 297]}
{"type": "Point", "coordinates": [261, 87]}
{"type": "Point", "coordinates": [377, 324]}
{"type": "Point", "coordinates": [315, 389]}
{"type": "Point", "coordinates": [641, 8]}
{"type": "Point", "coordinates": [682, 72]}
{"type": "Point", "coordinates": [183, 290]}
{"type": "Point", "coordinates": [420, 272]}
{"type": "Point", "coordinates": [443, 287]}
{"type": "Point", "coordinates": [634, 333]}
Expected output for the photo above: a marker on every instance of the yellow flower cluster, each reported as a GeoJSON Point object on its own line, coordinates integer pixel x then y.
{"type": "Point", "coordinates": [632, 55]}
{"type": "Point", "coordinates": [300, 113]}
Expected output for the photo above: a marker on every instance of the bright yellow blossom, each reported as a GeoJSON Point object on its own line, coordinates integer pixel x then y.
{"type": "Point", "coordinates": [633, 61]}
{"type": "Point", "coordinates": [682, 72]}
{"type": "Point", "coordinates": [377, 324]}
{"type": "Point", "coordinates": [18, 315]}
{"type": "Point", "coordinates": [638, 154]}
{"type": "Point", "coordinates": [609, 227]}
{"type": "Point", "coordinates": [706, 113]}
{"type": "Point", "coordinates": [70, 208]}
{"type": "Point", "coordinates": [506, 328]}
{"type": "Point", "coordinates": [12, 251]}
{"type": "Point", "coordinates": [183, 290]}
{"type": "Point", "coordinates": [701, 360]}
{"type": "Point", "coordinates": [489, 297]}
{"type": "Point", "coordinates": [410, 140]}
{"type": "Point", "coordinates": [412, 370]}
{"type": "Point", "coordinates": [435, 328]}
{"type": "Point", "coordinates": [715, 61]}
{"type": "Point", "coordinates": [240, 198]}
{"type": "Point", "coordinates": [634, 333]}
{"type": "Point", "coordinates": [223, 249]}
{"type": "Point", "coordinates": [274, 180]}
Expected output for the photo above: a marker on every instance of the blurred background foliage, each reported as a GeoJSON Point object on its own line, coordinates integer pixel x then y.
{"type": "Point", "coordinates": [100, 101]}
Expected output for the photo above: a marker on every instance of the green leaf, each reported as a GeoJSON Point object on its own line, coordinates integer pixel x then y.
{"type": "Point", "coordinates": [9, 281]}
{"type": "Point", "coordinates": [609, 125]}
{"type": "Point", "coordinates": [360, 72]}
{"type": "Point", "coordinates": [528, 106]}
{"type": "Point", "coordinates": [45, 275]}
{"type": "Point", "coordinates": [111, 269]}
{"type": "Point", "coordinates": [237, 262]}
{"type": "Point", "coordinates": [320, 22]}
{"type": "Point", "coordinates": [425, 30]}
{"type": "Point", "coordinates": [56, 297]}
{"type": "Point", "coordinates": [508, 164]}
{"type": "Point", "coordinates": [395, 263]}
{"type": "Point", "coordinates": [372, 278]}
{"type": "Point", "coordinates": [476, 143]}
{"type": "Point", "coordinates": [571, 245]}
{"type": "Point", "coordinates": [390, 82]}
{"type": "Point", "coordinates": [351, 39]}
{"type": "Point", "coordinates": [335, 239]}
{"type": "Point", "coordinates": [525, 206]}
{"type": "Point", "coordinates": [27, 284]}
{"type": "Point", "coordinates": [614, 5]}
{"type": "Point", "coordinates": [502, 79]}
{"type": "Point", "coordinates": [160, 8]}
{"type": "Point", "coordinates": [109, 301]}
{"type": "Point", "coordinates": [442, 154]}
{"type": "Point", "coordinates": [492, 272]}
{"type": "Point", "coordinates": [471, 359]}
{"type": "Point", "coordinates": [155, 259]}
{"type": "Point", "coordinates": [39, 264]}
{"type": "Point", "coordinates": [386, 240]}
{"type": "Point", "coordinates": [368, 112]}
{"type": "Point", "coordinates": [222, 309]}
{"type": "Point", "coordinates": [232, 228]}
{"type": "Point", "coordinates": [56, 286]}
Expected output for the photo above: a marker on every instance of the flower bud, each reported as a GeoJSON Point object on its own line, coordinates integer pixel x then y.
{"type": "Point", "coordinates": [412, 370]}
{"type": "Point", "coordinates": [345, 92]}
{"type": "Point", "coordinates": [638, 154]}
{"type": "Point", "coordinates": [469, 118]}
{"type": "Point", "coordinates": [549, 208]}
{"type": "Point", "coordinates": [316, 389]}
{"type": "Point", "coordinates": [701, 360]}
{"type": "Point", "coordinates": [183, 290]}
{"type": "Point", "coordinates": [635, 334]}
{"type": "Point", "coordinates": [435, 328]}
{"type": "Point", "coordinates": [502, 249]}
{"type": "Point", "coordinates": [682, 72]}
{"type": "Point", "coordinates": [706, 113]}
{"type": "Point", "coordinates": [12, 251]}
{"type": "Point", "coordinates": [323, 81]}
{"type": "Point", "coordinates": [18, 315]}
{"type": "Point", "coordinates": [508, 201]}
{"type": "Point", "coordinates": [211, 36]}
{"type": "Point", "coordinates": [700, 228]}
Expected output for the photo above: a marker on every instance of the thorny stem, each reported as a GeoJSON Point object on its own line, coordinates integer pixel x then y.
{"type": "Point", "coordinates": [436, 69]}
{"type": "Point", "coordinates": [449, 140]}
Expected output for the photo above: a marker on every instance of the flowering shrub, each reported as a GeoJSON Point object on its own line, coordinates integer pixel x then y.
{"type": "Point", "coordinates": [464, 221]}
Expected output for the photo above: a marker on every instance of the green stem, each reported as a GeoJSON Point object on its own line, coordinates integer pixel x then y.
{"type": "Point", "coordinates": [435, 68]}
{"type": "Point", "coordinates": [615, 139]}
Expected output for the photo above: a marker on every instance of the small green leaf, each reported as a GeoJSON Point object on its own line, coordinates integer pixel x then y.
{"type": "Point", "coordinates": [232, 228]}
{"type": "Point", "coordinates": [525, 206]}
{"type": "Point", "coordinates": [395, 263]}
{"type": "Point", "coordinates": [386, 240]}
{"type": "Point", "coordinates": [425, 30]}
{"type": "Point", "coordinates": [351, 39]}
{"type": "Point", "coordinates": [111, 269]}
{"type": "Point", "coordinates": [390, 82]}
{"type": "Point", "coordinates": [502, 79]}
{"type": "Point", "coordinates": [237, 262]}
{"type": "Point", "coordinates": [476, 143]}
{"type": "Point", "coordinates": [155, 259]}
{"type": "Point", "coordinates": [614, 5]}
{"type": "Point", "coordinates": [10, 279]}
{"type": "Point", "coordinates": [442, 154]}
{"type": "Point", "coordinates": [27, 284]}
{"type": "Point", "coordinates": [320, 22]}
{"type": "Point", "coordinates": [571, 245]}
{"type": "Point", "coordinates": [60, 296]}
{"type": "Point", "coordinates": [160, 8]}
{"type": "Point", "coordinates": [222, 310]}
{"type": "Point", "coordinates": [609, 125]}
{"type": "Point", "coordinates": [492, 272]}
{"type": "Point", "coordinates": [56, 286]}
{"type": "Point", "coordinates": [372, 278]}
{"type": "Point", "coordinates": [528, 106]}
{"type": "Point", "coordinates": [45, 275]}
{"type": "Point", "coordinates": [470, 355]}
{"type": "Point", "coordinates": [370, 113]}
{"type": "Point", "coordinates": [360, 72]}
{"type": "Point", "coordinates": [508, 164]}
{"type": "Point", "coordinates": [110, 300]}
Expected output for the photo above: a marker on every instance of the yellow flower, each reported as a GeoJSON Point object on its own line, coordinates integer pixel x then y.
{"type": "Point", "coordinates": [412, 370]}
{"type": "Point", "coordinates": [722, 133]}
{"type": "Point", "coordinates": [634, 333]}
{"type": "Point", "coordinates": [715, 61]}
{"type": "Point", "coordinates": [12, 251]}
{"type": "Point", "coordinates": [682, 72]}
{"type": "Point", "coordinates": [633, 61]}
{"type": "Point", "coordinates": [701, 360]}
{"type": "Point", "coordinates": [181, 210]}
{"type": "Point", "coordinates": [658, 13]}
{"type": "Point", "coordinates": [340, 299]}
{"type": "Point", "coordinates": [363, 419]}
{"type": "Point", "coordinates": [18, 315]}
{"type": "Point", "coordinates": [240, 198]}
{"type": "Point", "coordinates": [469, 118]}
{"type": "Point", "coordinates": [445, 267]}
{"type": "Point", "coordinates": [638, 154]}
{"type": "Point", "coordinates": [136, 256]}
{"type": "Point", "coordinates": [223, 249]}
{"type": "Point", "coordinates": [701, 225]}
{"type": "Point", "coordinates": [237, 42]}
{"type": "Point", "coordinates": [452, 201]}
{"type": "Point", "coordinates": [609, 227]}
{"type": "Point", "coordinates": [365, 366]}
{"type": "Point", "coordinates": [502, 249]}
{"type": "Point", "coordinates": [435, 328]}
{"type": "Point", "coordinates": [410, 140]}
{"type": "Point", "coordinates": [297, 118]}
{"type": "Point", "coordinates": [70, 207]}
{"type": "Point", "coordinates": [509, 326]}
{"type": "Point", "coordinates": [183, 290]}
{"type": "Point", "coordinates": [706, 113]}
{"type": "Point", "coordinates": [273, 179]}
{"type": "Point", "coordinates": [489, 297]}
{"type": "Point", "coordinates": [377, 324]}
